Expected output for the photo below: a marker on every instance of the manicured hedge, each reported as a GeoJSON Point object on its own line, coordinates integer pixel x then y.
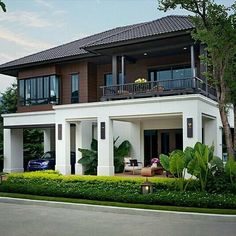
{"type": "Point", "coordinates": [117, 189]}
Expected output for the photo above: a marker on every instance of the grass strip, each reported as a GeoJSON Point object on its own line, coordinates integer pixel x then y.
{"type": "Point", "coordinates": [119, 204]}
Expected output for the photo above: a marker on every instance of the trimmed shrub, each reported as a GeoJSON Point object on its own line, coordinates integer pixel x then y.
{"type": "Point", "coordinates": [118, 189]}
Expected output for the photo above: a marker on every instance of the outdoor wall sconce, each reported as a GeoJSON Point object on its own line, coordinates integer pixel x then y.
{"type": "Point", "coordinates": [189, 127]}
{"type": "Point", "coordinates": [103, 136]}
{"type": "Point", "coordinates": [146, 187]}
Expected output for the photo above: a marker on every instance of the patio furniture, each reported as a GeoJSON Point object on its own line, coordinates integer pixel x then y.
{"type": "Point", "coordinates": [132, 165]}
{"type": "Point", "coordinates": [152, 170]}
{"type": "Point", "coordinates": [147, 171]}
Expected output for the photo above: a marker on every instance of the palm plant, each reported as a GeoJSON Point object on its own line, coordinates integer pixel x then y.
{"type": "Point", "coordinates": [90, 157]}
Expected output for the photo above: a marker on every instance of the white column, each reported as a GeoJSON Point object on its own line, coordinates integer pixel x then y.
{"type": "Point", "coordinates": [13, 150]}
{"type": "Point", "coordinates": [47, 140]}
{"type": "Point", "coordinates": [105, 148]}
{"type": "Point", "coordinates": [123, 69]}
{"type": "Point", "coordinates": [114, 69]}
{"type": "Point", "coordinates": [197, 127]}
{"type": "Point", "coordinates": [135, 140]}
{"type": "Point", "coordinates": [83, 140]}
{"type": "Point", "coordinates": [63, 148]}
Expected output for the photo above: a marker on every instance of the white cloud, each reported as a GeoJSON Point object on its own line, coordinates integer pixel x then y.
{"type": "Point", "coordinates": [30, 19]}
{"type": "Point", "coordinates": [44, 4]}
{"type": "Point", "coordinates": [21, 40]}
{"type": "Point", "coordinates": [49, 6]}
{"type": "Point", "coordinates": [5, 82]}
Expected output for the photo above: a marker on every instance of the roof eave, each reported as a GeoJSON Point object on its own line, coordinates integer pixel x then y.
{"type": "Point", "coordinates": [13, 70]}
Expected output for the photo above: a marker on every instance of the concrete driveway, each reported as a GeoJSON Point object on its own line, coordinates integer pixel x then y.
{"type": "Point", "coordinates": [33, 218]}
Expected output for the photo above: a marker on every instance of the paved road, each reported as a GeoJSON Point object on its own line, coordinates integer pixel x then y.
{"type": "Point", "coordinates": [29, 218]}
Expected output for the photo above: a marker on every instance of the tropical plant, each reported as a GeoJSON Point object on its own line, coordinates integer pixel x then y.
{"type": "Point", "coordinates": [90, 157]}
{"type": "Point", "coordinates": [176, 163]}
{"type": "Point", "coordinates": [203, 163]}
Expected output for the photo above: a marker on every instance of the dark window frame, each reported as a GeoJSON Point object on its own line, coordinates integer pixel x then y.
{"type": "Point", "coordinates": [47, 98]}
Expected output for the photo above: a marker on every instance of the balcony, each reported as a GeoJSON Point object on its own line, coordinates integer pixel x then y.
{"type": "Point", "coordinates": [158, 88]}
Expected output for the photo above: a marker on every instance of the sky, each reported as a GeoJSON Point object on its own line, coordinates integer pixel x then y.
{"type": "Point", "coordinates": [30, 26]}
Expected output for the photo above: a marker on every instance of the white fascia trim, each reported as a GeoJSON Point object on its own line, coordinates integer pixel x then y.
{"type": "Point", "coordinates": [139, 101]}
{"type": "Point", "coordinates": [36, 113]}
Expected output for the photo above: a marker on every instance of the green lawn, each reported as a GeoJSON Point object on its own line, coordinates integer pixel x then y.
{"type": "Point", "coordinates": [118, 204]}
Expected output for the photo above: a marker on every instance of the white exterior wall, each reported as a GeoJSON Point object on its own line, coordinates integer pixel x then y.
{"type": "Point", "coordinates": [13, 150]}
{"type": "Point", "coordinates": [136, 115]}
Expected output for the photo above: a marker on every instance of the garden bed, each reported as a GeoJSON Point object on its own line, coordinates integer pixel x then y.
{"type": "Point", "coordinates": [115, 189]}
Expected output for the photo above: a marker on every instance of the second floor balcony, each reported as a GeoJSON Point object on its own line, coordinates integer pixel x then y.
{"type": "Point", "coordinates": [171, 87]}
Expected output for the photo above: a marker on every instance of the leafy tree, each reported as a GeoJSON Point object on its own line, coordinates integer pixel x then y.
{"type": "Point", "coordinates": [3, 6]}
{"type": "Point", "coordinates": [216, 29]}
{"type": "Point", "coordinates": [90, 157]}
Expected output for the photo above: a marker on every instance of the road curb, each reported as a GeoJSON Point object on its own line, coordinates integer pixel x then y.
{"type": "Point", "coordinates": [110, 209]}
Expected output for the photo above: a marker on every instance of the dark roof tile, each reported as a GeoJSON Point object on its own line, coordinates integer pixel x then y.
{"type": "Point", "coordinates": [137, 31]}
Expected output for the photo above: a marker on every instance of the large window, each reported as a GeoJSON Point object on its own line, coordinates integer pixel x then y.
{"type": "Point", "coordinates": [173, 73]}
{"type": "Point", "coordinates": [41, 90]}
{"type": "Point", "coordinates": [75, 88]}
{"type": "Point", "coordinates": [174, 77]}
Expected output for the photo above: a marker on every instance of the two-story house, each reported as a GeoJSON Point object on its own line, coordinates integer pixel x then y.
{"type": "Point", "coordinates": [88, 89]}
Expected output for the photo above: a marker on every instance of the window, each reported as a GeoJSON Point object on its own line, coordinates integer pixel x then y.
{"type": "Point", "coordinates": [75, 88]}
{"type": "Point", "coordinates": [174, 77]}
{"type": "Point", "coordinates": [108, 81]}
{"type": "Point", "coordinates": [170, 74]}
{"type": "Point", "coordinates": [36, 90]}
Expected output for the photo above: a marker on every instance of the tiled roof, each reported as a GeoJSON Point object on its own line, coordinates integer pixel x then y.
{"type": "Point", "coordinates": [161, 26]}
{"type": "Point", "coordinates": [76, 48]}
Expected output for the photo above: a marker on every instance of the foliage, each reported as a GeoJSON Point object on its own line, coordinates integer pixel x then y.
{"type": "Point", "coordinates": [204, 163]}
{"type": "Point", "coordinates": [3, 6]}
{"type": "Point", "coordinates": [177, 164]}
{"type": "Point", "coordinates": [216, 30]}
{"type": "Point", "coordinates": [90, 157]}
{"type": "Point", "coordinates": [198, 161]}
{"type": "Point", "coordinates": [230, 169]}
{"type": "Point", "coordinates": [111, 189]}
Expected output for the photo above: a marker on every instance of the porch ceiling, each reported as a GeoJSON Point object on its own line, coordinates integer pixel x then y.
{"type": "Point", "coordinates": [148, 117]}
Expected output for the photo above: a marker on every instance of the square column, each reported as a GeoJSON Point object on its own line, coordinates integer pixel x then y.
{"type": "Point", "coordinates": [135, 140]}
{"type": "Point", "coordinates": [63, 148]}
{"type": "Point", "coordinates": [83, 140]}
{"type": "Point", "coordinates": [213, 135]}
{"type": "Point", "coordinates": [105, 147]}
{"type": "Point", "coordinates": [196, 128]}
{"type": "Point", "coordinates": [13, 150]}
{"type": "Point", "coordinates": [47, 140]}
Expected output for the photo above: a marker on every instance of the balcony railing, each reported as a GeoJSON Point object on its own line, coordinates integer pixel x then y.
{"type": "Point", "coordinates": [158, 88]}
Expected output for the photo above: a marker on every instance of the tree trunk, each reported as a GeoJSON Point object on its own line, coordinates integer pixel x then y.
{"type": "Point", "coordinates": [226, 129]}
